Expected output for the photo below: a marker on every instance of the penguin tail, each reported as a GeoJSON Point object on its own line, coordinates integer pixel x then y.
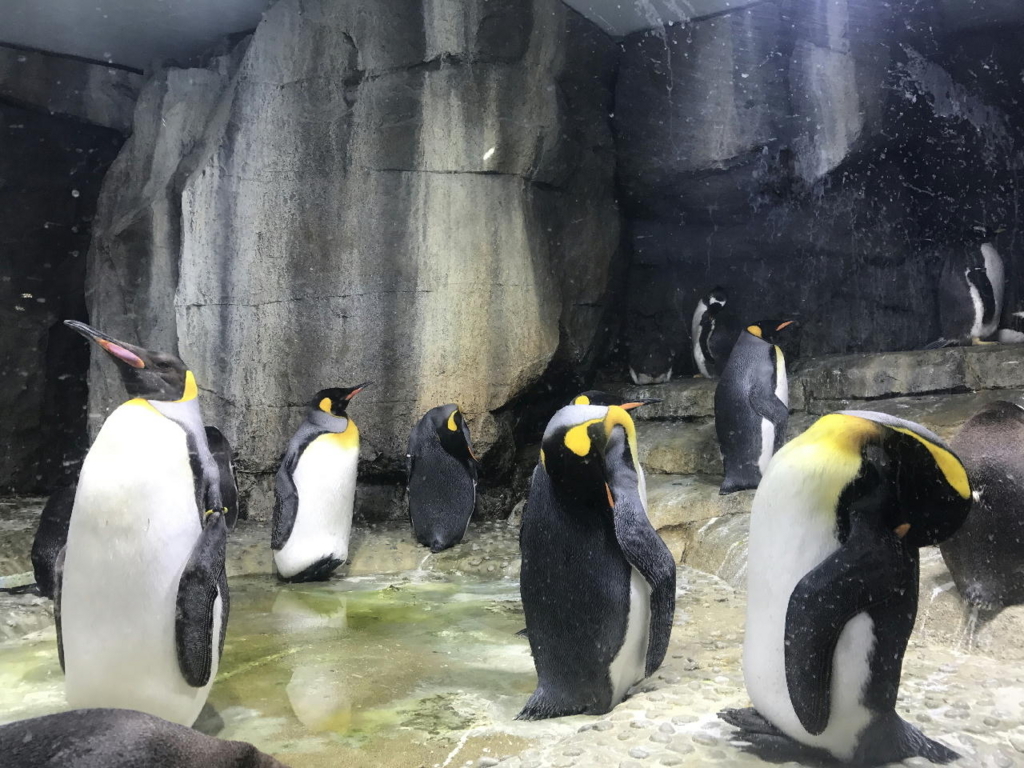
{"type": "Point", "coordinates": [521, 633]}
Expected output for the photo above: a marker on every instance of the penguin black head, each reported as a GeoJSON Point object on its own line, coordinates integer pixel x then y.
{"type": "Point", "coordinates": [573, 451]}
{"type": "Point", "coordinates": [452, 431]}
{"type": "Point", "coordinates": [149, 375]}
{"type": "Point", "coordinates": [334, 401]}
{"type": "Point", "coordinates": [715, 300]}
{"type": "Point", "coordinates": [597, 397]}
{"type": "Point", "coordinates": [773, 330]}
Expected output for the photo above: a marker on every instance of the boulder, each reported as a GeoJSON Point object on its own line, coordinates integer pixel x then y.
{"type": "Point", "coordinates": [417, 194]}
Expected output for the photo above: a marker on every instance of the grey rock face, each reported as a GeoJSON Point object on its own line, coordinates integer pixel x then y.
{"type": "Point", "coordinates": [418, 194]}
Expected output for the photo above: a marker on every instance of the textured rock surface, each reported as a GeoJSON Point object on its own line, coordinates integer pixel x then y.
{"type": "Point", "coordinates": [378, 192]}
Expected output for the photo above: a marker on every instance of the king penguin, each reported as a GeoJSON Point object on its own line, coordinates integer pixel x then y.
{"type": "Point", "coordinates": [832, 587]}
{"type": "Point", "coordinates": [315, 490]}
{"type": "Point", "coordinates": [141, 602]}
{"type": "Point", "coordinates": [441, 472]}
{"type": "Point", "coordinates": [597, 582]}
{"type": "Point", "coordinates": [971, 289]}
{"type": "Point", "coordinates": [220, 448]}
{"type": "Point", "coordinates": [986, 556]}
{"type": "Point", "coordinates": [752, 405]}
{"type": "Point", "coordinates": [702, 333]}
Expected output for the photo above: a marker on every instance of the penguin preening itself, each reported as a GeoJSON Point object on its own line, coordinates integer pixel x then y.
{"type": "Point", "coordinates": [119, 738]}
{"type": "Point", "coordinates": [442, 473]}
{"type": "Point", "coordinates": [597, 582]}
{"type": "Point", "coordinates": [315, 490]}
{"type": "Point", "coordinates": [832, 587]}
{"type": "Point", "coordinates": [971, 287]}
{"type": "Point", "coordinates": [702, 333]}
{"type": "Point", "coordinates": [752, 405]}
{"type": "Point", "coordinates": [141, 601]}
{"type": "Point", "coordinates": [986, 556]}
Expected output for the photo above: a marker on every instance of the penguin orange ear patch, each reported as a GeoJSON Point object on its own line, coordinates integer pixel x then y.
{"type": "Point", "coordinates": [325, 405]}
{"type": "Point", "coordinates": [122, 354]}
{"type": "Point", "coordinates": [754, 330]}
{"type": "Point", "coordinates": [451, 421]}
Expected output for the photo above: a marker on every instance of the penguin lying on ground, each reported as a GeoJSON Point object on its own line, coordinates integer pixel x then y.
{"type": "Point", "coordinates": [752, 405]}
{"type": "Point", "coordinates": [141, 599]}
{"type": "Point", "coordinates": [832, 587]}
{"type": "Point", "coordinates": [315, 490]}
{"type": "Point", "coordinates": [597, 582]}
{"type": "Point", "coordinates": [441, 473]}
{"type": "Point", "coordinates": [986, 556]}
{"type": "Point", "coordinates": [707, 355]}
{"type": "Point", "coordinates": [119, 738]}
{"type": "Point", "coordinates": [970, 292]}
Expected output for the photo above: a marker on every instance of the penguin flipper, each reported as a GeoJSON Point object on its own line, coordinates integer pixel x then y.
{"type": "Point", "coordinates": [58, 584]}
{"type": "Point", "coordinates": [768, 406]}
{"type": "Point", "coordinates": [198, 589]}
{"type": "Point", "coordinates": [286, 495]}
{"type": "Point", "coordinates": [641, 545]}
{"type": "Point", "coordinates": [869, 570]}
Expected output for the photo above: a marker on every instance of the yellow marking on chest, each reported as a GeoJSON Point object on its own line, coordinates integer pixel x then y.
{"type": "Point", "coordinates": [578, 440]}
{"type": "Point", "coordinates": [951, 468]}
{"type": "Point", "coordinates": [349, 439]}
{"type": "Point", "coordinates": [780, 359]}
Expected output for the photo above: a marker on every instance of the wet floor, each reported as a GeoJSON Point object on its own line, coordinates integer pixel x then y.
{"type": "Point", "coordinates": [423, 668]}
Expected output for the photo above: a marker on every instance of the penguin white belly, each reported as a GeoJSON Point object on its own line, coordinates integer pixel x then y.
{"type": "Point", "coordinates": [790, 535]}
{"type": "Point", "coordinates": [132, 531]}
{"type": "Point", "coordinates": [630, 664]}
{"type": "Point", "coordinates": [325, 481]}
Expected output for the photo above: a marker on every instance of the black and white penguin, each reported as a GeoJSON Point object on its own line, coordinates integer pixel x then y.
{"type": "Point", "coordinates": [142, 600]}
{"type": "Point", "coordinates": [220, 448]}
{"type": "Point", "coordinates": [752, 405]}
{"type": "Point", "coordinates": [986, 556]}
{"type": "Point", "coordinates": [119, 738]}
{"type": "Point", "coordinates": [702, 333]}
{"type": "Point", "coordinates": [315, 490]}
{"type": "Point", "coordinates": [598, 397]}
{"type": "Point", "coordinates": [51, 536]}
{"type": "Point", "coordinates": [1013, 331]}
{"type": "Point", "coordinates": [441, 472]}
{"type": "Point", "coordinates": [597, 582]}
{"type": "Point", "coordinates": [971, 288]}
{"type": "Point", "coordinates": [832, 587]}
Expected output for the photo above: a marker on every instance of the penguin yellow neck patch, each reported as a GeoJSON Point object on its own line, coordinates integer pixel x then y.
{"type": "Point", "coordinates": [578, 440]}
{"type": "Point", "coordinates": [951, 468]}
{"type": "Point", "coordinates": [348, 439]}
{"type": "Point", "coordinates": [191, 388]}
{"type": "Point", "coordinates": [451, 421]}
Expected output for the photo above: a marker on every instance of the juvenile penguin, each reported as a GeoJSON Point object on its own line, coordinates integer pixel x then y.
{"type": "Point", "coordinates": [752, 405]}
{"type": "Point", "coordinates": [986, 556]}
{"type": "Point", "coordinates": [597, 582]}
{"type": "Point", "coordinates": [315, 490]}
{"type": "Point", "coordinates": [832, 587]}
{"type": "Point", "coordinates": [970, 292]}
{"type": "Point", "coordinates": [220, 448]}
{"type": "Point", "coordinates": [141, 601]}
{"type": "Point", "coordinates": [441, 471]}
{"type": "Point", "coordinates": [702, 333]}
{"type": "Point", "coordinates": [119, 738]}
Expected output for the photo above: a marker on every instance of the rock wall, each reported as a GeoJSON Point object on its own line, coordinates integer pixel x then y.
{"type": "Point", "coordinates": [417, 193]}
{"type": "Point", "coordinates": [812, 156]}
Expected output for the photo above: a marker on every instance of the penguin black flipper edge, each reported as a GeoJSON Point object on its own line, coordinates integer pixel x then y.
{"type": "Point", "coordinates": [198, 589]}
{"type": "Point", "coordinates": [58, 577]}
{"type": "Point", "coordinates": [641, 545]}
{"type": "Point", "coordinates": [866, 572]}
{"type": "Point", "coordinates": [286, 497]}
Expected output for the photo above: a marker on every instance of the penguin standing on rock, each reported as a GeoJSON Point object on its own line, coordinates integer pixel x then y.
{"type": "Point", "coordinates": [971, 289]}
{"type": "Point", "coordinates": [752, 405]}
{"type": "Point", "coordinates": [141, 596]}
{"type": "Point", "coordinates": [986, 556]}
{"type": "Point", "coordinates": [833, 586]}
{"type": "Point", "coordinates": [315, 490]}
{"type": "Point", "coordinates": [442, 473]}
{"type": "Point", "coordinates": [702, 333]}
{"type": "Point", "coordinates": [597, 582]}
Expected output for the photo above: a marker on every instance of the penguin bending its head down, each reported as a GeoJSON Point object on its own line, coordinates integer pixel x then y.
{"type": "Point", "coordinates": [141, 596]}
{"type": "Point", "coordinates": [752, 405]}
{"type": "Point", "coordinates": [597, 582]}
{"type": "Point", "coordinates": [119, 738]}
{"type": "Point", "coordinates": [702, 333]}
{"type": "Point", "coordinates": [833, 583]}
{"type": "Point", "coordinates": [315, 490]}
{"type": "Point", "coordinates": [971, 288]}
{"type": "Point", "coordinates": [442, 473]}
{"type": "Point", "coordinates": [986, 556]}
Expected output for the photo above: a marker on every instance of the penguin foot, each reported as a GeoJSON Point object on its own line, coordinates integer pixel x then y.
{"type": "Point", "coordinates": [978, 342]}
{"type": "Point", "coordinates": [541, 706]}
{"type": "Point", "coordinates": [321, 570]}
{"type": "Point", "coordinates": [759, 737]}
{"type": "Point", "coordinates": [732, 486]}
{"type": "Point", "coordinates": [890, 739]}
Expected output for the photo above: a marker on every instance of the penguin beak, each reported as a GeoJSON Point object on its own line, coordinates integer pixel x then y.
{"type": "Point", "coordinates": [358, 389]}
{"type": "Point", "coordinates": [119, 350]}
{"type": "Point", "coordinates": [637, 403]}
{"type": "Point", "coordinates": [785, 324]}
{"type": "Point", "coordinates": [901, 530]}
